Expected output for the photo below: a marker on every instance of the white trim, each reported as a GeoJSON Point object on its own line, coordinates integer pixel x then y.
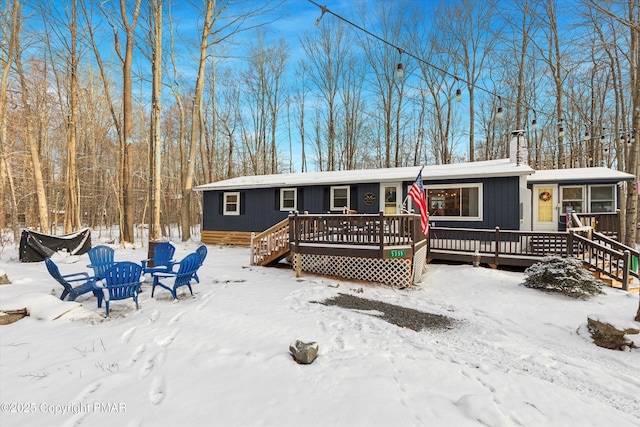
{"type": "Point", "coordinates": [398, 202]}
{"type": "Point", "coordinates": [295, 199]}
{"type": "Point", "coordinates": [477, 185]}
{"type": "Point", "coordinates": [225, 203]}
{"type": "Point", "coordinates": [583, 200]}
{"type": "Point", "coordinates": [614, 200]}
{"type": "Point", "coordinates": [332, 205]}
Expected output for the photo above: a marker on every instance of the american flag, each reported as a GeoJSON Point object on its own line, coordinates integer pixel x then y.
{"type": "Point", "coordinates": [416, 192]}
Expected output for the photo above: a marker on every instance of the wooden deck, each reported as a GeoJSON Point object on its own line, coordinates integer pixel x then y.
{"type": "Point", "coordinates": [397, 237]}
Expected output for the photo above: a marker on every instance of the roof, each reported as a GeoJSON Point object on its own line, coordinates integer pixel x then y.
{"type": "Point", "coordinates": [488, 168]}
{"type": "Point", "coordinates": [598, 174]}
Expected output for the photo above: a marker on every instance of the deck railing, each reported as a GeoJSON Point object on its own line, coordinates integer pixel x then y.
{"type": "Point", "coordinates": [495, 247]}
{"type": "Point", "coordinates": [606, 223]}
{"type": "Point", "coordinates": [523, 248]}
{"type": "Point", "coordinates": [372, 230]}
{"type": "Point", "coordinates": [270, 244]}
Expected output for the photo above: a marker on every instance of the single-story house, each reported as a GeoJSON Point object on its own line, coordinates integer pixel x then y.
{"type": "Point", "coordinates": [504, 193]}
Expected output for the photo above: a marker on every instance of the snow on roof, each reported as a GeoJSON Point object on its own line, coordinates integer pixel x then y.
{"type": "Point", "coordinates": [488, 168]}
{"type": "Point", "coordinates": [579, 174]}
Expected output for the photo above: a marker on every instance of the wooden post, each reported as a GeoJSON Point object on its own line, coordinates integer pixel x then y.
{"type": "Point", "coordinates": [298, 263]}
{"type": "Point", "coordinates": [625, 272]}
{"type": "Point", "coordinates": [570, 250]}
{"type": "Point", "coordinates": [496, 258]}
{"type": "Point", "coordinates": [381, 234]}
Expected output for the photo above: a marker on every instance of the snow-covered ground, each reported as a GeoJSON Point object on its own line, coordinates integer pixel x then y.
{"type": "Point", "coordinates": [515, 357]}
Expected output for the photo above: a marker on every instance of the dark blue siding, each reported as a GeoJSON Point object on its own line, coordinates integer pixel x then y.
{"type": "Point", "coordinates": [500, 206]}
{"type": "Point", "coordinates": [260, 208]}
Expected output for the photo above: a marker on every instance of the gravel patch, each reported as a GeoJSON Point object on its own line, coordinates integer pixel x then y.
{"type": "Point", "coordinates": [394, 314]}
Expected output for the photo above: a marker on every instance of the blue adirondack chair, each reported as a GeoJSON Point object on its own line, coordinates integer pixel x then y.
{"type": "Point", "coordinates": [101, 258]}
{"type": "Point", "coordinates": [162, 260]}
{"type": "Point", "coordinates": [122, 281]}
{"type": "Point", "coordinates": [201, 251]}
{"type": "Point", "coordinates": [87, 283]}
{"type": "Point", "coordinates": [187, 268]}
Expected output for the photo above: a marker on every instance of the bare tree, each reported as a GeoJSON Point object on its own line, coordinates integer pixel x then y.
{"type": "Point", "coordinates": [326, 54]}
{"type": "Point", "coordinates": [10, 25]}
{"type": "Point", "coordinates": [30, 133]}
{"type": "Point", "coordinates": [471, 29]}
{"type": "Point", "coordinates": [155, 159]}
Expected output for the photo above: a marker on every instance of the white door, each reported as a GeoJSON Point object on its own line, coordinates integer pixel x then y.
{"type": "Point", "coordinates": [545, 207]}
{"type": "Point", "coordinates": [391, 198]}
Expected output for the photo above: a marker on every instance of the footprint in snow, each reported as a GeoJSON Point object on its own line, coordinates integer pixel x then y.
{"type": "Point", "coordinates": [126, 335]}
{"type": "Point", "coordinates": [137, 353]}
{"type": "Point", "coordinates": [157, 392]}
{"type": "Point", "coordinates": [165, 342]}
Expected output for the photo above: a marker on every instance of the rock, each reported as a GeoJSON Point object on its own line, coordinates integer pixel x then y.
{"type": "Point", "coordinates": [4, 280]}
{"type": "Point", "coordinates": [607, 336]}
{"type": "Point", "coordinates": [304, 353]}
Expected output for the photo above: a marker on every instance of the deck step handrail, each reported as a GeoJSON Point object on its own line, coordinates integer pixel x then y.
{"type": "Point", "coordinates": [270, 244]}
{"type": "Point", "coordinates": [620, 247]}
{"type": "Point", "coordinates": [603, 259]}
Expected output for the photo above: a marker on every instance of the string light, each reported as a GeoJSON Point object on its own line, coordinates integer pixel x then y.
{"type": "Point", "coordinates": [400, 70]}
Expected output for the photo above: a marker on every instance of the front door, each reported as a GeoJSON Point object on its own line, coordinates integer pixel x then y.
{"type": "Point", "coordinates": [391, 198]}
{"type": "Point", "coordinates": [545, 207]}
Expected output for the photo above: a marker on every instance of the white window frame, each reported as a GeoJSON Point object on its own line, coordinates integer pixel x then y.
{"type": "Point", "coordinates": [477, 185]}
{"type": "Point", "coordinates": [585, 203]}
{"type": "Point", "coordinates": [333, 207]}
{"type": "Point", "coordinates": [614, 200]}
{"type": "Point", "coordinates": [225, 203]}
{"type": "Point", "coordinates": [295, 199]}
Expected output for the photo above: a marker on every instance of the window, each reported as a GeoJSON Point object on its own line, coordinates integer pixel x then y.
{"type": "Point", "coordinates": [231, 204]}
{"type": "Point", "coordinates": [463, 201]}
{"type": "Point", "coordinates": [339, 198]}
{"type": "Point", "coordinates": [288, 199]}
{"type": "Point", "coordinates": [573, 197]}
{"type": "Point", "coordinates": [603, 198]}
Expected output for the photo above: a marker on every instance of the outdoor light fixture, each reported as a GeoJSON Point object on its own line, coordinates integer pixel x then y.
{"type": "Point", "coordinates": [400, 71]}
{"type": "Point", "coordinates": [534, 124]}
{"type": "Point", "coordinates": [458, 95]}
{"type": "Point", "coordinates": [586, 136]}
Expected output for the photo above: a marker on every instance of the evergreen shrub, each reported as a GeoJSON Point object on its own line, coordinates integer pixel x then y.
{"type": "Point", "coordinates": [564, 275]}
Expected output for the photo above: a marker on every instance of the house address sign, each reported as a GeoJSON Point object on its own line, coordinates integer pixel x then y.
{"type": "Point", "coordinates": [369, 198]}
{"type": "Point", "coordinates": [397, 253]}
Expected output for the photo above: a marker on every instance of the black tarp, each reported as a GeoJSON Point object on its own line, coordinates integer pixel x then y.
{"type": "Point", "coordinates": [36, 246]}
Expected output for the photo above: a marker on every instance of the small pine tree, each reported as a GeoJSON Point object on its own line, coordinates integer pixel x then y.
{"type": "Point", "coordinates": [564, 275]}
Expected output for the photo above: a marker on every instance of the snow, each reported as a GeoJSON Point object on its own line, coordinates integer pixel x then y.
{"type": "Point", "coordinates": [516, 356]}
{"type": "Point", "coordinates": [579, 174]}
{"type": "Point", "coordinates": [480, 169]}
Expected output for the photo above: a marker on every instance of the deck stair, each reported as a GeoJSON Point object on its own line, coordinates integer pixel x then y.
{"type": "Point", "coordinates": [271, 245]}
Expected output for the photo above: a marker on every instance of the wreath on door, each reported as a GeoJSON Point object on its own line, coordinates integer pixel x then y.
{"type": "Point", "coordinates": [545, 196]}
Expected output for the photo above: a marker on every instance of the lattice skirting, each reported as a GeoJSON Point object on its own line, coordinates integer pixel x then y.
{"type": "Point", "coordinates": [419, 261]}
{"type": "Point", "coordinates": [395, 272]}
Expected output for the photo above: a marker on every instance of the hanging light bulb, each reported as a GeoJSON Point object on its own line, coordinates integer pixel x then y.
{"type": "Point", "coordinates": [561, 131]}
{"type": "Point", "coordinates": [499, 113]}
{"type": "Point", "coordinates": [534, 124]}
{"type": "Point", "coordinates": [400, 71]}
{"type": "Point", "coordinates": [586, 136]}
{"type": "Point", "coordinates": [458, 95]}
